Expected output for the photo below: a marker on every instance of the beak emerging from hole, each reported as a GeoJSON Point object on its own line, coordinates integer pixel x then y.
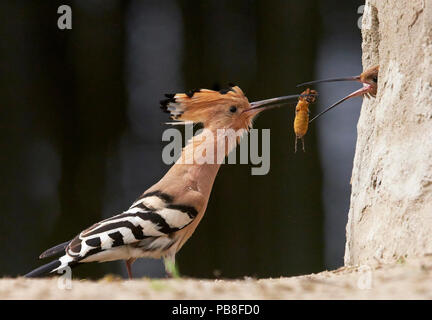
{"type": "Point", "coordinates": [366, 88]}
{"type": "Point", "coordinates": [356, 78]}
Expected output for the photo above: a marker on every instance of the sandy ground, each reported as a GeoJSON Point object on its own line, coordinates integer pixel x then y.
{"type": "Point", "coordinates": [405, 279]}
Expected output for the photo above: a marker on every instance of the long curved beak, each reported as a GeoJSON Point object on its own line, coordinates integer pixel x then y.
{"type": "Point", "coordinates": [274, 102]}
{"type": "Point", "coordinates": [359, 92]}
{"type": "Point", "coordinates": [356, 78]}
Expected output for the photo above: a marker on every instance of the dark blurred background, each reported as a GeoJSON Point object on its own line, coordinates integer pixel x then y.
{"type": "Point", "coordinates": [80, 126]}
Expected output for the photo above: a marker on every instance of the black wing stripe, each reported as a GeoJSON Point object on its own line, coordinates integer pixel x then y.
{"type": "Point", "coordinates": [191, 211]}
{"type": "Point", "coordinates": [142, 206]}
{"type": "Point", "coordinates": [164, 196]}
{"type": "Point", "coordinates": [137, 231]}
{"type": "Point", "coordinates": [117, 237]}
{"type": "Point", "coordinates": [126, 213]}
{"type": "Point", "coordinates": [94, 242]}
{"type": "Point", "coordinates": [157, 220]}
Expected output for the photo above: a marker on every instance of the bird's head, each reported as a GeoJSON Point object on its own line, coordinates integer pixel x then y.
{"type": "Point", "coordinates": [224, 109]}
{"type": "Point", "coordinates": [369, 78]}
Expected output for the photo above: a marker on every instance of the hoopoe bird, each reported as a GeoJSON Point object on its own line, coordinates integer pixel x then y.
{"type": "Point", "coordinates": [368, 78]}
{"type": "Point", "coordinates": [164, 217]}
{"type": "Point", "coordinates": [301, 120]}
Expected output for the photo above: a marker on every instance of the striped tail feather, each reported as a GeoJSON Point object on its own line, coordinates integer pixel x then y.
{"type": "Point", "coordinates": [43, 270]}
{"type": "Point", "coordinates": [58, 249]}
{"type": "Point", "coordinates": [58, 264]}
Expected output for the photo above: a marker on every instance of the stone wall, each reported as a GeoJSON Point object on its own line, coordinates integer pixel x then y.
{"type": "Point", "coordinates": [391, 201]}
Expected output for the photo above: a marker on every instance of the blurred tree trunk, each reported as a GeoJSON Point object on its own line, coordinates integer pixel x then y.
{"type": "Point", "coordinates": [391, 202]}
{"type": "Point", "coordinates": [268, 225]}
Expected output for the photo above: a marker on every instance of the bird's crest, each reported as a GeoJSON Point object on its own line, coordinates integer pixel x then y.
{"type": "Point", "coordinates": [200, 105]}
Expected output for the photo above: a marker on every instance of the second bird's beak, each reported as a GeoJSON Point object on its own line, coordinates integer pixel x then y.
{"type": "Point", "coordinates": [365, 89]}
{"type": "Point", "coordinates": [356, 78]}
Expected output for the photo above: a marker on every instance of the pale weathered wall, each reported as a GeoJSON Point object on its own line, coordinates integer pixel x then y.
{"type": "Point", "coordinates": [391, 201]}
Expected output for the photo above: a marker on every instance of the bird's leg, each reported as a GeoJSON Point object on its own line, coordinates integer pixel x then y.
{"type": "Point", "coordinates": [129, 267]}
{"type": "Point", "coordinates": [295, 145]}
{"type": "Point", "coordinates": [302, 139]}
{"type": "Point", "coordinates": [170, 267]}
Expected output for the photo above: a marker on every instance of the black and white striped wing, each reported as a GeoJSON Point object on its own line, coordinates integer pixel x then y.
{"type": "Point", "coordinates": [146, 226]}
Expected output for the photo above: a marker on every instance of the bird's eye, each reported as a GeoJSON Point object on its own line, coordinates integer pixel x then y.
{"type": "Point", "coordinates": [375, 79]}
{"type": "Point", "coordinates": [233, 109]}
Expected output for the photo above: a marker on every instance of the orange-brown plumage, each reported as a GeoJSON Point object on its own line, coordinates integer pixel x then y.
{"type": "Point", "coordinates": [222, 109]}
